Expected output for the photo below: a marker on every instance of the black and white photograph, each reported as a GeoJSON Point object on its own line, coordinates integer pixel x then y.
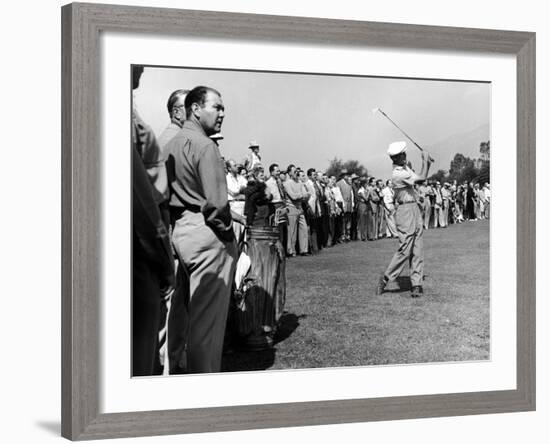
{"type": "Point", "coordinates": [275, 222]}
{"type": "Point", "coordinates": [300, 220]}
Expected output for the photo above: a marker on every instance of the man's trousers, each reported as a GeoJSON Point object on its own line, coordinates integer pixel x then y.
{"type": "Point", "coordinates": [145, 317]}
{"type": "Point", "coordinates": [427, 212]}
{"type": "Point", "coordinates": [200, 303]}
{"type": "Point", "coordinates": [410, 226]}
{"type": "Point", "coordinates": [297, 227]}
{"type": "Point", "coordinates": [391, 230]}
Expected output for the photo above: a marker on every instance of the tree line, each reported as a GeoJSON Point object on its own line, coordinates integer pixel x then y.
{"type": "Point", "coordinates": [464, 169]}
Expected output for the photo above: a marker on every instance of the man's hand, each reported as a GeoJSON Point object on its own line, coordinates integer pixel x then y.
{"type": "Point", "coordinates": [240, 219]}
{"type": "Point", "coordinates": [166, 292]}
{"type": "Point", "coordinates": [167, 285]}
{"type": "Point", "coordinates": [430, 158]}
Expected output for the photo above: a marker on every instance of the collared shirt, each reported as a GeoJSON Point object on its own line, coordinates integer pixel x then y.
{"type": "Point", "coordinates": [312, 201]}
{"type": "Point", "coordinates": [273, 187]}
{"type": "Point", "coordinates": [403, 179]}
{"type": "Point", "coordinates": [362, 195]}
{"type": "Point", "coordinates": [169, 133]}
{"type": "Point", "coordinates": [295, 193]}
{"type": "Point", "coordinates": [387, 196]}
{"type": "Point", "coordinates": [197, 175]}
{"type": "Point", "coordinates": [234, 186]}
{"type": "Point", "coordinates": [337, 194]}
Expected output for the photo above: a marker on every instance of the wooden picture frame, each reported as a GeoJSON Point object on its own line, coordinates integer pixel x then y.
{"type": "Point", "coordinates": [81, 25]}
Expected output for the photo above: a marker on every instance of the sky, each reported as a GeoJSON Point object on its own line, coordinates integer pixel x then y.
{"type": "Point", "coordinates": [309, 119]}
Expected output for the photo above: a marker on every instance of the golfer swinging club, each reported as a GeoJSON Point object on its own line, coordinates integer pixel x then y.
{"type": "Point", "coordinates": [408, 220]}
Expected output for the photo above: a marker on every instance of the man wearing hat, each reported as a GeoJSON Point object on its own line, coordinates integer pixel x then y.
{"type": "Point", "coordinates": [253, 157]}
{"type": "Point", "coordinates": [408, 220]}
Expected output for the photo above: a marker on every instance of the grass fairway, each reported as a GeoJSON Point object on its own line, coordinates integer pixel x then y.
{"type": "Point", "coordinates": [334, 319]}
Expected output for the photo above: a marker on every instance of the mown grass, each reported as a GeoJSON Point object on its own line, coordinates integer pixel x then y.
{"type": "Point", "coordinates": [334, 318]}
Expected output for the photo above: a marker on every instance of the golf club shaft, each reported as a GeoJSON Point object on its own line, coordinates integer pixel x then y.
{"type": "Point", "coordinates": [403, 132]}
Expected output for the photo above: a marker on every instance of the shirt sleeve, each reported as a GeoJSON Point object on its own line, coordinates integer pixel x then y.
{"type": "Point", "coordinates": [216, 207]}
{"type": "Point", "coordinates": [409, 177]}
{"type": "Point", "coordinates": [387, 196]}
{"type": "Point", "coordinates": [233, 186]}
{"type": "Point", "coordinates": [152, 157]}
{"type": "Point", "coordinates": [338, 194]}
{"type": "Point", "coordinates": [290, 192]}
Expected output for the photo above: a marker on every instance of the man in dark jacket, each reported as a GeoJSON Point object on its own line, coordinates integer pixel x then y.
{"type": "Point", "coordinates": [152, 263]}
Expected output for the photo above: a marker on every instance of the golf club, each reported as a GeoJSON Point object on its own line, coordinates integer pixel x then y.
{"type": "Point", "coordinates": [375, 110]}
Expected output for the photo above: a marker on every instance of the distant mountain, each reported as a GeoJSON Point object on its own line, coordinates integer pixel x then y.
{"type": "Point", "coordinates": [466, 143]}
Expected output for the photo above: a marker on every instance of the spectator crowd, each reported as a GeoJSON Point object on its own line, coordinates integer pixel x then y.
{"type": "Point", "coordinates": [323, 211]}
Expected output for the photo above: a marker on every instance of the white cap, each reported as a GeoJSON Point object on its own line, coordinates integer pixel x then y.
{"type": "Point", "coordinates": [396, 148]}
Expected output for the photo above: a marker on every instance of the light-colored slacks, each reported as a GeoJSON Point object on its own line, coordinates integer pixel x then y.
{"type": "Point", "coordinates": [362, 217]}
{"type": "Point", "coordinates": [444, 214]}
{"type": "Point", "coordinates": [391, 230]}
{"type": "Point", "coordinates": [207, 265]}
{"type": "Point", "coordinates": [410, 226]}
{"type": "Point", "coordinates": [297, 226]}
{"type": "Point", "coordinates": [381, 221]}
{"type": "Point", "coordinates": [427, 212]}
{"type": "Point", "coordinates": [372, 219]}
{"type": "Point", "coordinates": [437, 215]}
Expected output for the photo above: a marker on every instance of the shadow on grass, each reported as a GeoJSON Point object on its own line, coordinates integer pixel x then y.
{"type": "Point", "coordinates": [241, 359]}
{"type": "Point", "coordinates": [288, 323]}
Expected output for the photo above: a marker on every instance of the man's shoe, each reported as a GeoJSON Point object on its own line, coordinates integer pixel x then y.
{"type": "Point", "coordinates": [381, 285]}
{"type": "Point", "coordinates": [416, 291]}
